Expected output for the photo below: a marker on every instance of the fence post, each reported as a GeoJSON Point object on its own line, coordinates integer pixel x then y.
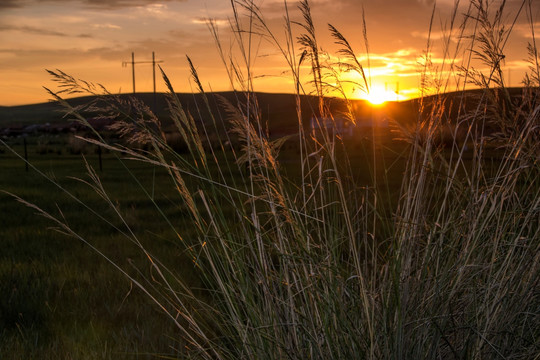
{"type": "Point", "coordinates": [100, 161]}
{"type": "Point", "coordinates": [25, 155]}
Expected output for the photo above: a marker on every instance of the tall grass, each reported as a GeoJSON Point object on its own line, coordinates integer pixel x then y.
{"type": "Point", "coordinates": [320, 266]}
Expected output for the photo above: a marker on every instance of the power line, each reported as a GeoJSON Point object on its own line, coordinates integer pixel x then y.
{"type": "Point", "coordinates": [133, 63]}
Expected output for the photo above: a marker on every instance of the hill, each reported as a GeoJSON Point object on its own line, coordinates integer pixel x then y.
{"type": "Point", "coordinates": [278, 111]}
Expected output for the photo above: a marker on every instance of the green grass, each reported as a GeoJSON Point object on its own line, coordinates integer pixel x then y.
{"type": "Point", "coordinates": [65, 300]}
{"type": "Point", "coordinates": [61, 300]}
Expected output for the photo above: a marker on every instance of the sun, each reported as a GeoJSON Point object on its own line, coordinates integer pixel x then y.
{"type": "Point", "coordinates": [378, 95]}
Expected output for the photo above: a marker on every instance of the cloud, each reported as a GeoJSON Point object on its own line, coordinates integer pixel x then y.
{"type": "Point", "coordinates": [99, 4]}
{"type": "Point", "coordinates": [31, 30]}
{"type": "Point", "coordinates": [40, 31]}
{"type": "Point", "coordinates": [106, 26]}
{"type": "Point", "coordinates": [26, 58]}
{"type": "Point", "coordinates": [526, 30]}
{"type": "Point", "coordinates": [10, 4]}
{"type": "Point", "coordinates": [204, 21]}
{"type": "Point", "coordinates": [156, 8]}
{"type": "Point", "coordinates": [455, 34]}
{"type": "Point", "coordinates": [115, 4]}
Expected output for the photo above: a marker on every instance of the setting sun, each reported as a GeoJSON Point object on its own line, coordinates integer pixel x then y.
{"type": "Point", "coordinates": [378, 95]}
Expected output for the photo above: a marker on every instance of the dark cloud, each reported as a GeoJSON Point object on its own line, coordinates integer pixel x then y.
{"type": "Point", "coordinates": [26, 59]}
{"type": "Point", "coordinates": [101, 4]}
{"type": "Point", "coordinates": [180, 34]}
{"type": "Point", "coordinates": [40, 31]}
{"type": "Point", "coordinates": [115, 4]}
{"type": "Point", "coordinates": [10, 4]}
{"type": "Point", "coordinates": [32, 30]}
{"type": "Point", "coordinates": [57, 57]}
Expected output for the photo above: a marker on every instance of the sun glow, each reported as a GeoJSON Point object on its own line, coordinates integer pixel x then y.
{"type": "Point", "coordinates": [378, 95]}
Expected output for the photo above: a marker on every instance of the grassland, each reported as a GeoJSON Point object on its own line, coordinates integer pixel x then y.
{"type": "Point", "coordinates": [66, 301]}
{"type": "Point", "coordinates": [60, 300]}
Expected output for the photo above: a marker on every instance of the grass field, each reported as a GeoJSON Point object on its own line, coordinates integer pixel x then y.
{"type": "Point", "coordinates": [60, 299]}
{"type": "Point", "coordinates": [66, 301]}
{"type": "Point", "coordinates": [63, 299]}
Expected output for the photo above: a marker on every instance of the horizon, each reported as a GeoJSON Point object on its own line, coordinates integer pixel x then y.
{"type": "Point", "coordinates": [91, 40]}
{"type": "Point", "coordinates": [163, 93]}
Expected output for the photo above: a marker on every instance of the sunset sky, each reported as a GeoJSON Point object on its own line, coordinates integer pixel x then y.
{"type": "Point", "coordinates": [90, 39]}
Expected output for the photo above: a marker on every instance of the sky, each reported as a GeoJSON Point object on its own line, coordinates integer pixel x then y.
{"type": "Point", "coordinates": [90, 40]}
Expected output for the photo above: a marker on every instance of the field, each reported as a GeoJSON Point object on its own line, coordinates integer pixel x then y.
{"type": "Point", "coordinates": [67, 301]}
{"type": "Point", "coordinates": [62, 300]}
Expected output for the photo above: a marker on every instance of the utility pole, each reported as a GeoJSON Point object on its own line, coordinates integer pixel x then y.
{"type": "Point", "coordinates": [133, 69]}
{"type": "Point", "coordinates": [154, 78]}
{"type": "Point", "coordinates": [133, 63]}
{"type": "Point", "coordinates": [154, 70]}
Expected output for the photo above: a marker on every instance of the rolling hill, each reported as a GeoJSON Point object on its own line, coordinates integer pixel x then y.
{"type": "Point", "coordinates": [278, 111]}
